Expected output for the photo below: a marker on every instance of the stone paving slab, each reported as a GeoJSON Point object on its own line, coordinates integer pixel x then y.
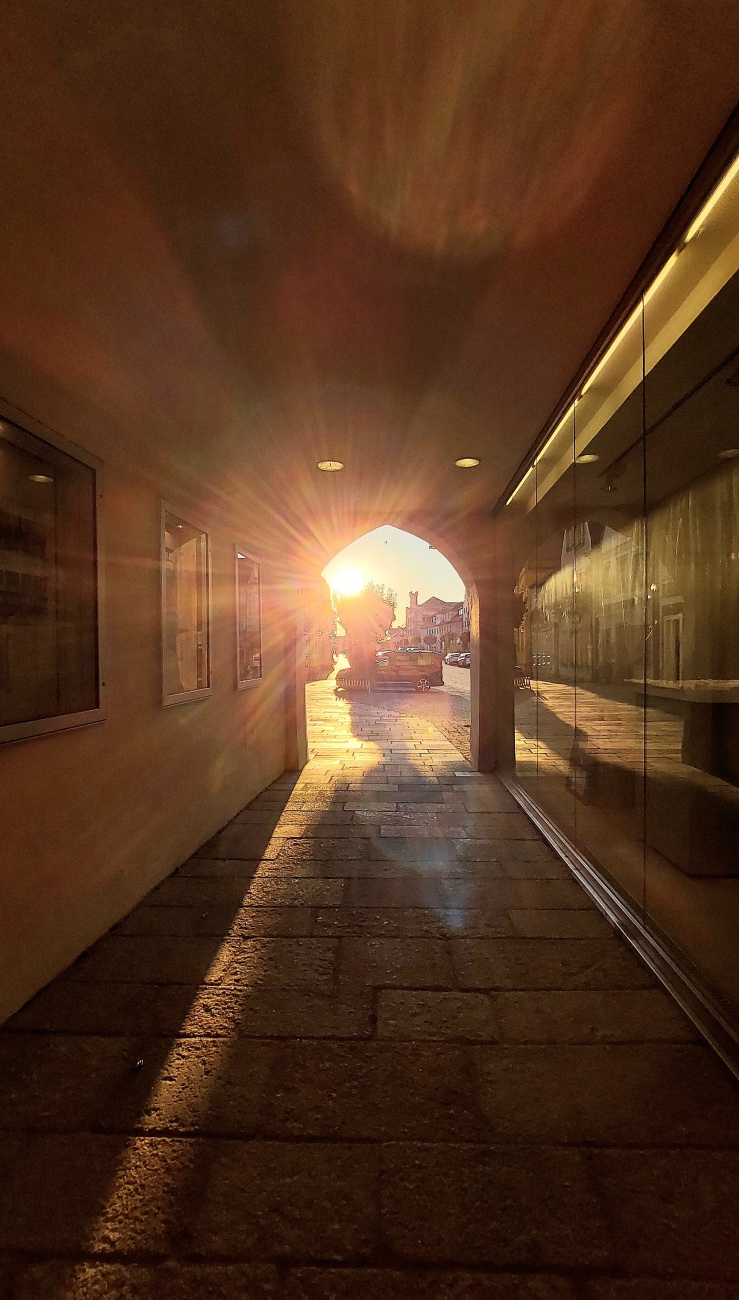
{"type": "Point", "coordinates": [167, 1281]}
{"type": "Point", "coordinates": [502, 1206]}
{"type": "Point", "coordinates": [411, 922]}
{"type": "Point", "coordinates": [191, 1281]}
{"type": "Point", "coordinates": [432, 1284]}
{"type": "Point", "coordinates": [671, 1211]}
{"type": "Point", "coordinates": [351, 1091]}
{"type": "Point", "coordinates": [314, 1201]}
{"type": "Point", "coordinates": [402, 962]}
{"type": "Point", "coordinates": [372, 1040]}
{"type": "Point", "coordinates": [670, 1093]}
{"type": "Point", "coordinates": [598, 963]}
{"type": "Point", "coordinates": [265, 921]}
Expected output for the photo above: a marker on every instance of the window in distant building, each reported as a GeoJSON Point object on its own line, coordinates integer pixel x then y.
{"type": "Point", "coordinates": [49, 674]}
{"type": "Point", "coordinates": [185, 610]}
{"type": "Point", "coordinates": [248, 620]}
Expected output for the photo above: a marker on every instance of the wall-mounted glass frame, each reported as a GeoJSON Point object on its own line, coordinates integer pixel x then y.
{"type": "Point", "coordinates": [50, 597]}
{"type": "Point", "coordinates": [249, 665]}
{"type": "Point", "coordinates": [186, 607]}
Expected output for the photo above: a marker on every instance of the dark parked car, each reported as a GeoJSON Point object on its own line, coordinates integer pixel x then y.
{"type": "Point", "coordinates": [418, 668]}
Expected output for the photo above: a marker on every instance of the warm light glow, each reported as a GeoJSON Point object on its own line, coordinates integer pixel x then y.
{"type": "Point", "coordinates": [516, 490]}
{"type": "Point", "coordinates": [329, 466]}
{"type": "Point", "coordinates": [565, 419]}
{"type": "Point", "coordinates": [40, 478]}
{"type": "Point", "coordinates": [349, 582]}
{"type": "Point", "coordinates": [654, 286]}
{"type": "Point", "coordinates": [610, 351]}
{"type": "Point", "coordinates": [586, 458]}
{"type": "Point", "coordinates": [693, 229]}
{"type": "Point", "coordinates": [712, 200]}
{"type": "Point", "coordinates": [466, 462]}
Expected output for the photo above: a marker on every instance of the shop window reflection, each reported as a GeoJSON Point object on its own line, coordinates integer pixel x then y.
{"type": "Point", "coordinates": [628, 605]}
{"type": "Point", "coordinates": [691, 691]}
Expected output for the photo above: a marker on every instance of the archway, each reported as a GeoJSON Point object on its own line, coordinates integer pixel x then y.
{"type": "Point", "coordinates": [429, 620]}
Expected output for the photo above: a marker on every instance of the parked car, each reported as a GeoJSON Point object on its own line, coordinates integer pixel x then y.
{"type": "Point", "coordinates": [464, 659]}
{"type": "Point", "coordinates": [452, 658]}
{"type": "Point", "coordinates": [421, 669]}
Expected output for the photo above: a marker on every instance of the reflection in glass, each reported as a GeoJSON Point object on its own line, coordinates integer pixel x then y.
{"type": "Point", "coordinates": [185, 609]}
{"type": "Point", "coordinates": [609, 601]}
{"type": "Point", "coordinates": [48, 598]}
{"type": "Point", "coordinates": [627, 563]}
{"type": "Point", "coordinates": [526, 667]}
{"type": "Point", "coordinates": [249, 621]}
{"type": "Point", "coordinates": [692, 679]}
{"type": "Point", "coordinates": [547, 762]}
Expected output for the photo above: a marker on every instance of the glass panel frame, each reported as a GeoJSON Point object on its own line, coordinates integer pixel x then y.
{"type": "Point", "coordinates": [246, 638]}
{"type": "Point", "coordinates": [609, 502]}
{"type": "Point", "coordinates": [692, 680]}
{"type": "Point", "coordinates": [37, 441]}
{"type": "Point", "coordinates": [656, 626]}
{"type": "Point", "coordinates": [200, 590]}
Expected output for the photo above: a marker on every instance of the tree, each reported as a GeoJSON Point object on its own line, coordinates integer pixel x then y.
{"type": "Point", "coordinates": [365, 617]}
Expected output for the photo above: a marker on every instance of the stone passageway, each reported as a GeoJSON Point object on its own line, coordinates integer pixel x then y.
{"type": "Point", "coordinates": [370, 1041]}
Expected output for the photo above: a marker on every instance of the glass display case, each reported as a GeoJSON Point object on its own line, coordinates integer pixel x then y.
{"type": "Point", "coordinates": [185, 609]}
{"type": "Point", "coordinates": [248, 620]}
{"type": "Point", "coordinates": [49, 671]}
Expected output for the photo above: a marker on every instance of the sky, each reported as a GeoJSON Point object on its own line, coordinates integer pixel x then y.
{"type": "Point", "coordinates": [401, 561]}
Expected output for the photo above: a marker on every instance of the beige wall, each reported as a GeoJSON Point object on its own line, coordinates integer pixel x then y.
{"type": "Point", "coordinates": [92, 818]}
{"type": "Point", "coordinates": [104, 339]}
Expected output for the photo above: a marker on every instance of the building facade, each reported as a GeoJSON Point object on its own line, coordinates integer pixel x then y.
{"type": "Point", "coordinates": [436, 624]}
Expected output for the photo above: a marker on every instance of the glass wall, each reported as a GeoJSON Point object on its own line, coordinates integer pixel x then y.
{"type": "Point", "coordinates": [627, 608]}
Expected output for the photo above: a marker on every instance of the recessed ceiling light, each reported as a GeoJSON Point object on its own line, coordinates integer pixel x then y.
{"type": "Point", "coordinates": [729, 454]}
{"type": "Point", "coordinates": [586, 458]}
{"type": "Point", "coordinates": [466, 462]}
{"type": "Point", "coordinates": [40, 478]}
{"type": "Point", "coordinates": [330, 466]}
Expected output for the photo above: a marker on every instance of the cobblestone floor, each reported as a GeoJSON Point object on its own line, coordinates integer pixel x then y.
{"type": "Point", "coordinates": [371, 1041]}
{"type": "Point", "coordinates": [446, 708]}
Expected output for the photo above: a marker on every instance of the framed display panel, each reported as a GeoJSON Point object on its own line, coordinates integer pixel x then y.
{"type": "Point", "coordinates": [249, 666]}
{"type": "Point", "coordinates": [186, 614]}
{"type": "Point", "coordinates": [50, 677]}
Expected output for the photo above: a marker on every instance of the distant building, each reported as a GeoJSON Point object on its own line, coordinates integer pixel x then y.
{"type": "Point", "coordinates": [435, 623]}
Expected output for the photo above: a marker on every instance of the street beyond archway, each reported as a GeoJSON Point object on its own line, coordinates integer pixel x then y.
{"type": "Point", "coordinates": [446, 708]}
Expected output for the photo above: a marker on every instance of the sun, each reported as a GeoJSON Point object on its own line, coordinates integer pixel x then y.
{"type": "Point", "coordinates": [349, 582]}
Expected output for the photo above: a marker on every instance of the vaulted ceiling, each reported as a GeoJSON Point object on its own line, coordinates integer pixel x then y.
{"type": "Point", "coordinates": [386, 231]}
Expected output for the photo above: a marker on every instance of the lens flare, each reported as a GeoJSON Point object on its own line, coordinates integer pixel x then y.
{"type": "Point", "coordinates": [348, 582]}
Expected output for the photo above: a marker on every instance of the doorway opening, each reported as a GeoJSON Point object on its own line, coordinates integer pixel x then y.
{"type": "Point", "coordinates": [403, 647]}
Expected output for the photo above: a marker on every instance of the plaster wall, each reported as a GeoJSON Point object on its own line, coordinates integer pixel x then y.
{"type": "Point", "coordinates": [93, 817]}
